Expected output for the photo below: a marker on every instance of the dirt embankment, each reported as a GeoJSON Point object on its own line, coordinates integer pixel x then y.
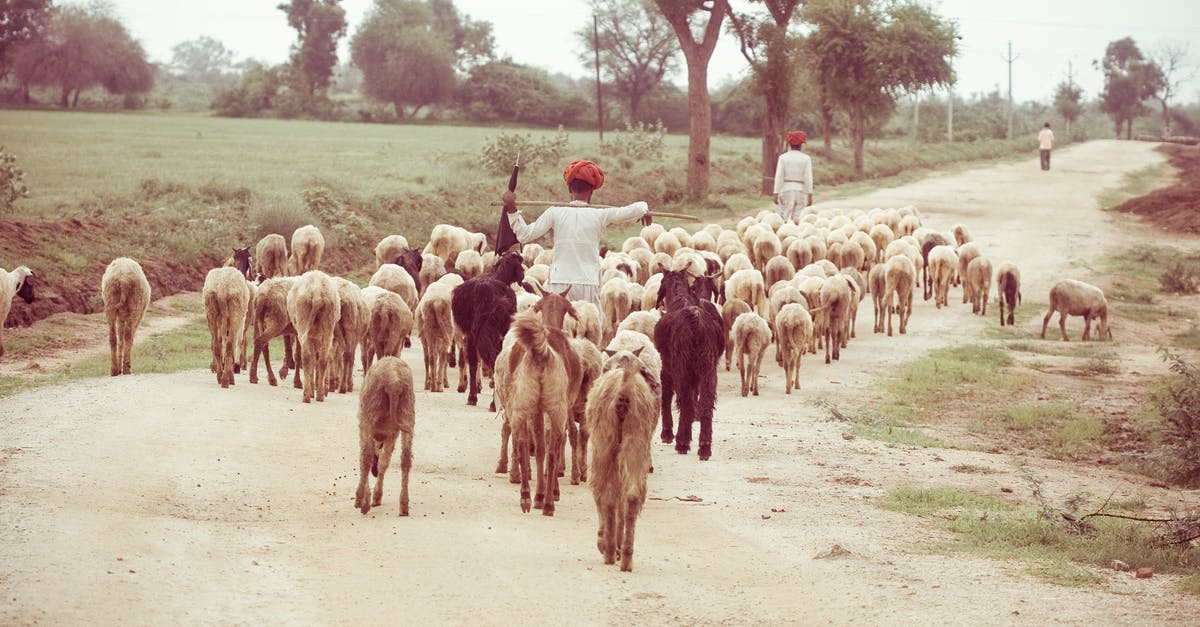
{"type": "Point", "coordinates": [1173, 208]}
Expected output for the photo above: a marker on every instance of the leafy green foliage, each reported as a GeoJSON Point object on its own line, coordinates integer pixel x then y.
{"type": "Point", "coordinates": [12, 181]}
{"type": "Point", "coordinates": [640, 142]}
{"type": "Point", "coordinates": [404, 59]}
{"type": "Point", "coordinates": [1129, 79]}
{"type": "Point", "coordinates": [637, 48]}
{"type": "Point", "coordinates": [500, 152]}
{"type": "Point", "coordinates": [1179, 406]}
{"type": "Point", "coordinates": [347, 227]}
{"type": "Point", "coordinates": [503, 91]}
{"type": "Point", "coordinates": [319, 25]}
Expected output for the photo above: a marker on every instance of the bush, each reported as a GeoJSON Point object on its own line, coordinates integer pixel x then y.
{"type": "Point", "coordinates": [1181, 277]}
{"type": "Point", "coordinates": [1179, 406]}
{"type": "Point", "coordinates": [281, 219]}
{"type": "Point", "coordinates": [346, 226]}
{"type": "Point", "coordinates": [499, 152]}
{"type": "Point", "coordinates": [641, 142]}
{"type": "Point", "coordinates": [12, 181]}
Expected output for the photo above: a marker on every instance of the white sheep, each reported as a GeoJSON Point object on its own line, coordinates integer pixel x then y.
{"type": "Point", "coordinates": [794, 328]}
{"type": "Point", "coordinates": [877, 278]}
{"type": "Point", "coordinates": [226, 298]}
{"type": "Point", "coordinates": [18, 282]}
{"type": "Point", "coordinates": [308, 246]}
{"type": "Point", "coordinates": [748, 285]}
{"type": "Point", "coordinates": [966, 253]}
{"type": "Point", "coordinates": [390, 322]}
{"type": "Point", "coordinates": [389, 248]}
{"type": "Point", "coordinates": [751, 336]}
{"type": "Point", "coordinates": [432, 269]}
{"type": "Point", "coordinates": [270, 257]}
{"type": "Point", "coordinates": [615, 304]}
{"type": "Point", "coordinates": [943, 263]}
{"type": "Point", "coordinates": [435, 327]}
{"type": "Point", "coordinates": [469, 263]}
{"type": "Point", "coordinates": [639, 344]}
{"type": "Point", "coordinates": [641, 321]}
{"type": "Point", "coordinates": [347, 334]}
{"type": "Point", "coordinates": [1008, 289]}
{"type": "Point", "coordinates": [386, 410]}
{"type": "Point", "coordinates": [1076, 298]}
{"type": "Point", "coordinates": [396, 279]}
{"type": "Point", "coordinates": [587, 323]}
{"type": "Point", "coordinates": [900, 280]}
{"type": "Point", "coordinates": [978, 284]}
{"type": "Point", "coordinates": [126, 294]}
{"type": "Point", "coordinates": [315, 308]}
{"type": "Point", "coordinates": [446, 241]}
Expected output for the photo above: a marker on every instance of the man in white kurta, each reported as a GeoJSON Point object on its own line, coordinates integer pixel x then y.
{"type": "Point", "coordinates": [793, 179]}
{"type": "Point", "coordinates": [577, 228]}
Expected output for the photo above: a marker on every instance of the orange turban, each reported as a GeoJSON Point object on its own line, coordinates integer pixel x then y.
{"type": "Point", "coordinates": [796, 137]}
{"type": "Point", "coordinates": [585, 171]}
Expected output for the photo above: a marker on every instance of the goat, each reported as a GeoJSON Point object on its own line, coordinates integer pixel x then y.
{"type": "Point", "coordinates": [483, 308]}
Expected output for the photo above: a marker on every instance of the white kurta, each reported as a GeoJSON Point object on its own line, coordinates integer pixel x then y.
{"type": "Point", "coordinates": [577, 230]}
{"type": "Point", "coordinates": [793, 172]}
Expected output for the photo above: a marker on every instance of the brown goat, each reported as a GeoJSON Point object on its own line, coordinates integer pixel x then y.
{"type": "Point", "coordinates": [386, 410]}
{"type": "Point", "coordinates": [271, 320]}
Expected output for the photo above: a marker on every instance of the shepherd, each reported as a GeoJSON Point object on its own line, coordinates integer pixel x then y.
{"type": "Point", "coordinates": [577, 227]}
{"type": "Point", "coordinates": [793, 178]}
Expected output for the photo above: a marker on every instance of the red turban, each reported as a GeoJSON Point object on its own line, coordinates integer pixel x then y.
{"type": "Point", "coordinates": [585, 171]}
{"type": "Point", "coordinates": [796, 137]}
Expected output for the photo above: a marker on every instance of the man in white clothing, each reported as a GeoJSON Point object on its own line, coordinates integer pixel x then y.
{"type": "Point", "coordinates": [793, 178]}
{"type": "Point", "coordinates": [577, 228]}
{"type": "Point", "coordinates": [1045, 143]}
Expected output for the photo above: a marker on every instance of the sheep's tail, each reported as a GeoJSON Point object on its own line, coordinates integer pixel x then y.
{"type": "Point", "coordinates": [531, 334]}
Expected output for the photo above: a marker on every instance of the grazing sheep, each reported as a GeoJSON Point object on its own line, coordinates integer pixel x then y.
{"type": "Point", "coordinates": [389, 248]}
{"type": "Point", "coordinates": [1008, 290]}
{"type": "Point", "coordinates": [689, 337]}
{"type": "Point", "coordinates": [794, 329]}
{"type": "Point", "coordinates": [943, 263]}
{"type": "Point", "coordinates": [126, 294]}
{"type": "Point", "coordinates": [308, 246]}
{"type": "Point", "coordinates": [18, 282]}
{"type": "Point", "coordinates": [483, 308]}
{"type": "Point", "coordinates": [900, 280]}
{"type": "Point", "coordinates": [352, 324]}
{"type": "Point", "coordinates": [435, 326]}
{"type": "Point", "coordinates": [270, 321]}
{"type": "Point", "coordinates": [621, 418]}
{"type": "Point", "coordinates": [226, 298]}
{"type": "Point", "coordinates": [751, 336]}
{"type": "Point", "coordinates": [270, 257]}
{"type": "Point", "coordinates": [538, 409]}
{"type": "Point", "coordinates": [836, 294]}
{"type": "Point", "coordinates": [386, 410]}
{"type": "Point", "coordinates": [1076, 298]}
{"type": "Point", "coordinates": [978, 284]}
{"type": "Point", "coordinates": [314, 307]}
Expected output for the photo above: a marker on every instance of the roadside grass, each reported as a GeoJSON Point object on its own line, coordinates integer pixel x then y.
{"type": "Point", "coordinates": [878, 428]}
{"type": "Point", "coordinates": [1050, 549]}
{"type": "Point", "coordinates": [1136, 183]}
{"type": "Point", "coordinates": [1022, 328]}
{"type": "Point", "coordinates": [1055, 427]}
{"type": "Point", "coordinates": [1189, 339]}
{"type": "Point", "coordinates": [943, 376]}
{"type": "Point", "coordinates": [973, 469]}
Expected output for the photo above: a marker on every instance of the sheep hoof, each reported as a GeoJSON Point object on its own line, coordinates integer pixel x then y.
{"type": "Point", "coordinates": [705, 452]}
{"type": "Point", "coordinates": [525, 503]}
{"type": "Point", "coordinates": [501, 468]}
{"type": "Point", "coordinates": [404, 509]}
{"type": "Point", "coordinates": [254, 380]}
{"type": "Point", "coordinates": [548, 510]}
{"type": "Point", "coordinates": [472, 401]}
{"type": "Point", "coordinates": [492, 406]}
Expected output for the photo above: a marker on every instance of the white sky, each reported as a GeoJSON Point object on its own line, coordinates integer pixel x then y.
{"type": "Point", "coordinates": [1046, 35]}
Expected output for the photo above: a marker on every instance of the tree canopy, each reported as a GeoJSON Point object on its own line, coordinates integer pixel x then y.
{"type": "Point", "coordinates": [1129, 79]}
{"type": "Point", "coordinates": [319, 25]}
{"type": "Point", "coordinates": [637, 49]}
{"type": "Point", "coordinates": [20, 22]}
{"type": "Point", "coordinates": [202, 60]}
{"type": "Point", "coordinates": [506, 91]}
{"type": "Point", "coordinates": [404, 59]}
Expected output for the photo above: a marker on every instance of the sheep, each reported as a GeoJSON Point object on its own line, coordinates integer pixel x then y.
{"type": "Point", "coordinates": [621, 419]}
{"type": "Point", "coordinates": [882, 236]}
{"type": "Point", "coordinates": [966, 253]}
{"type": "Point", "coordinates": [587, 324]}
{"type": "Point", "coordinates": [537, 273]}
{"type": "Point", "coordinates": [667, 243]}
{"type": "Point", "coordinates": [435, 326]}
{"type": "Point", "coordinates": [1008, 290]}
{"type": "Point", "coordinates": [226, 298]}
{"type": "Point", "coordinates": [900, 280]}
{"type": "Point", "coordinates": [633, 243]}
{"type": "Point", "coordinates": [859, 286]}
{"type": "Point", "coordinates": [651, 232]}
{"type": "Point", "coordinates": [639, 344]}
{"type": "Point", "coordinates": [978, 284]}
{"type": "Point", "coordinates": [1076, 298]}
{"type": "Point", "coordinates": [396, 279]}
{"type": "Point", "coordinates": [794, 330]}
{"type": "Point", "coordinates": [469, 263]}
{"type": "Point", "coordinates": [640, 321]}
{"type": "Point", "coordinates": [737, 261]}
{"type": "Point", "coordinates": [615, 304]}
{"type": "Point", "coordinates": [685, 238]}
{"type": "Point", "coordinates": [748, 285]}
{"type": "Point", "coordinates": [869, 249]}
{"type": "Point", "coordinates": [270, 257]}
{"type": "Point", "coordinates": [877, 278]}
{"type": "Point", "coordinates": [751, 336]}
{"type": "Point", "coordinates": [961, 235]}
{"type": "Point", "coordinates": [538, 409]}
{"type": "Point", "coordinates": [853, 256]}
{"type": "Point", "coordinates": [271, 320]}
{"type": "Point", "coordinates": [590, 363]}
{"type": "Point", "coordinates": [308, 246]}
{"type": "Point", "coordinates": [389, 248]}
{"type": "Point", "coordinates": [446, 241]}
{"type": "Point", "coordinates": [315, 308]}
{"type": "Point", "coordinates": [240, 364]}
{"type": "Point", "coordinates": [352, 324]}
{"type": "Point", "coordinates": [702, 240]}
{"type": "Point", "coordinates": [432, 269]}
{"type": "Point", "coordinates": [689, 339]}
{"type": "Point", "coordinates": [785, 295]}
{"type": "Point", "coordinates": [644, 258]}
{"type": "Point", "coordinates": [126, 294]}
{"type": "Point", "coordinates": [943, 262]}
{"type": "Point", "coordinates": [412, 262]}
{"type": "Point", "coordinates": [765, 247]}
{"type": "Point", "coordinates": [389, 323]}
{"type": "Point", "coordinates": [778, 269]}
{"type": "Point", "coordinates": [928, 243]}
{"type": "Point", "coordinates": [18, 282]}
{"type": "Point", "coordinates": [483, 308]}
{"type": "Point", "coordinates": [386, 410]}
{"type": "Point", "coordinates": [836, 294]}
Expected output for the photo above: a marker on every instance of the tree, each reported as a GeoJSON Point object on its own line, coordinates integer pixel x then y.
{"type": "Point", "coordinates": [319, 25]}
{"type": "Point", "coordinates": [697, 54]}
{"type": "Point", "coordinates": [404, 60]}
{"type": "Point", "coordinates": [471, 41]}
{"type": "Point", "coordinates": [502, 91]}
{"type": "Point", "coordinates": [1129, 79]}
{"type": "Point", "coordinates": [20, 22]}
{"type": "Point", "coordinates": [202, 60]}
{"type": "Point", "coordinates": [254, 94]}
{"type": "Point", "coordinates": [1173, 59]}
{"type": "Point", "coordinates": [636, 47]}
{"type": "Point", "coordinates": [84, 47]}
{"type": "Point", "coordinates": [867, 52]}
{"type": "Point", "coordinates": [1068, 102]}
{"type": "Point", "coordinates": [771, 53]}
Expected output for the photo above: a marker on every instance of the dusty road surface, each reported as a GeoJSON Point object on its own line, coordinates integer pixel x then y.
{"type": "Point", "coordinates": [163, 499]}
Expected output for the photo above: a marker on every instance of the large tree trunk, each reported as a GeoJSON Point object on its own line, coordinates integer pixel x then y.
{"type": "Point", "coordinates": [64, 100]}
{"type": "Point", "coordinates": [1129, 128]}
{"type": "Point", "coordinates": [1166, 115]}
{"type": "Point", "coordinates": [774, 120]}
{"type": "Point", "coordinates": [858, 125]}
{"type": "Point", "coordinates": [827, 124]}
{"type": "Point", "coordinates": [75, 99]}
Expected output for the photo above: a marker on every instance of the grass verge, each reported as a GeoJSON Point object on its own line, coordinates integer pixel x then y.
{"type": "Point", "coordinates": [927, 384]}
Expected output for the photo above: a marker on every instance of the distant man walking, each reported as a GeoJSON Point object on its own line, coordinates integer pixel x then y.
{"type": "Point", "coordinates": [1045, 142]}
{"type": "Point", "coordinates": [793, 178]}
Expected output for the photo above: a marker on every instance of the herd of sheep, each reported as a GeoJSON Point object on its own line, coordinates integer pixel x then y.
{"type": "Point", "coordinates": [672, 302]}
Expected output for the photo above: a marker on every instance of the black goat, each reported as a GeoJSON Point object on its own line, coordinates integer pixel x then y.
{"type": "Point", "coordinates": [691, 338]}
{"type": "Point", "coordinates": [483, 308]}
{"type": "Point", "coordinates": [411, 261]}
{"type": "Point", "coordinates": [242, 261]}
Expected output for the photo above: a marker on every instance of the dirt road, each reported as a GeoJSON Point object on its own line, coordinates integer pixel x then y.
{"type": "Point", "coordinates": [156, 499]}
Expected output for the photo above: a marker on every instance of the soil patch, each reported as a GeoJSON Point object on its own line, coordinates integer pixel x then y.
{"type": "Point", "coordinates": [1173, 208]}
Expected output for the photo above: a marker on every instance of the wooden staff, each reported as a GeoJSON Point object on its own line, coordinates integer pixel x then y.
{"type": "Point", "coordinates": [553, 203]}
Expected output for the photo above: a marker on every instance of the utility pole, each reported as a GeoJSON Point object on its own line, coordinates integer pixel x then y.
{"type": "Point", "coordinates": [1070, 90]}
{"type": "Point", "coordinates": [950, 113]}
{"type": "Point", "coordinates": [917, 116]}
{"type": "Point", "coordinates": [1010, 58]}
{"type": "Point", "coordinates": [599, 97]}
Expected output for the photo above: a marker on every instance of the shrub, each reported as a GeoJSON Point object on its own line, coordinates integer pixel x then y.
{"type": "Point", "coordinates": [1179, 406]}
{"type": "Point", "coordinates": [279, 218]}
{"type": "Point", "coordinates": [1181, 277]}
{"type": "Point", "coordinates": [12, 181]}
{"type": "Point", "coordinates": [347, 227]}
{"type": "Point", "coordinates": [641, 142]}
{"type": "Point", "coordinates": [499, 152]}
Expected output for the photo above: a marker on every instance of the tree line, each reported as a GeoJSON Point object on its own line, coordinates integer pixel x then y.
{"type": "Point", "coordinates": [829, 65]}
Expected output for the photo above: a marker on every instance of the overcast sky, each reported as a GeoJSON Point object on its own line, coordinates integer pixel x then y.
{"type": "Point", "coordinates": [1047, 36]}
